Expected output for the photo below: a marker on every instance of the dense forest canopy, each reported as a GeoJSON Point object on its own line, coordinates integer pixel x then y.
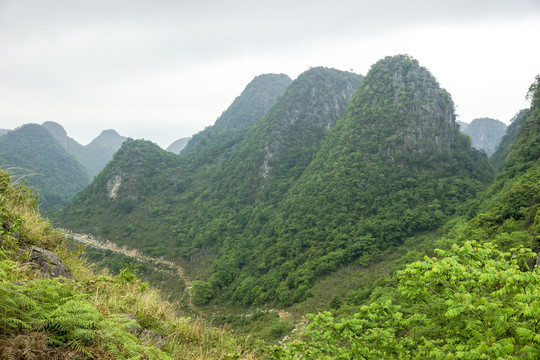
{"type": "Point", "coordinates": [359, 190]}
{"type": "Point", "coordinates": [477, 299]}
{"type": "Point", "coordinates": [339, 169]}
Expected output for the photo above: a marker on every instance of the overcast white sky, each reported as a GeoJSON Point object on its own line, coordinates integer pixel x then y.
{"type": "Point", "coordinates": [162, 70]}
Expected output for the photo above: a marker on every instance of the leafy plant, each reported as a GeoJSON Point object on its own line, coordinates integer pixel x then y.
{"type": "Point", "coordinates": [479, 302]}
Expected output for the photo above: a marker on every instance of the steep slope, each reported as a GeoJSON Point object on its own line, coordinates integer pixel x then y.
{"type": "Point", "coordinates": [252, 104]}
{"type": "Point", "coordinates": [130, 201]}
{"type": "Point", "coordinates": [509, 212]}
{"type": "Point", "coordinates": [3, 131]}
{"type": "Point", "coordinates": [279, 146]}
{"type": "Point", "coordinates": [394, 165]}
{"type": "Point", "coordinates": [31, 153]}
{"type": "Point", "coordinates": [484, 282]}
{"type": "Point", "coordinates": [485, 134]}
{"type": "Point", "coordinates": [501, 152]}
{"type": "Point", "coordinates": [230, 197]}
{"type": "Point", "coordinates": [210, 146]}
{"type": "Point", "coordinates": [319, 182]}
{"type": "Point", "coordinates": [93, 156]}
{"type": "Point", "coordinates": [178, 145]}
{"type": "Point", "coordinates": [207, 193]}
{"type": "Point", "coordinates": [55, 307]}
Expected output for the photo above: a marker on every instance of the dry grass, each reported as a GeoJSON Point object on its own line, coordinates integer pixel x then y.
{"type": "Point", "coordinates": [178, 336]}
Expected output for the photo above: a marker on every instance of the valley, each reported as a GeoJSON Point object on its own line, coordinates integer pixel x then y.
{"type": "Point", "coordinates": [335, 215]}
{"type": "Point", "coordinates": [172, 269]}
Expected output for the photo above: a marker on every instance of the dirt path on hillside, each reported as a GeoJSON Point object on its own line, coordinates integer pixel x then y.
{"type": "Point", "coordinates": [134, 254]}
{"type": "Point", "coordinates": [285, 316]}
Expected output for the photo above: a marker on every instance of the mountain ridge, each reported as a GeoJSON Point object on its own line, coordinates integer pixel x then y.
{"type": "Point", "coordinates": [35, 155]}
{"type": "Point", "coordinates": [94, 156]}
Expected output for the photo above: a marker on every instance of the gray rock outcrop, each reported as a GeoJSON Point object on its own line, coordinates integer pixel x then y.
{"type": "Point", "coordinates": [49, 263]}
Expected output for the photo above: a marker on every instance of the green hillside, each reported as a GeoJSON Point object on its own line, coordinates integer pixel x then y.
{"type": "Point", "coordinates": [252, 104]}
{"type": "Point", "coordinates": [336, 199]}
{"type": "Point", "coordinates": [297, 197]}
{"type": "Point", "coordinates": [499, 156]}
{"type": "Point", "coordinates": [126, 200]}
{"type": "Point", "coordinates": [394, 166]}
{"type": "Point", "coordinates": [53, 306]}
{"type": "Point", "coordinates": [32, 154]}
{"type": "Point", "coordinates": [181, 204]}
{"type": "Point", "coordinates": [478, 298]}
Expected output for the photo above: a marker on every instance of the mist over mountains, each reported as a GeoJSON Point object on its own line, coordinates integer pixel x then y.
{"type": "Point", "coordinates": [327, 192]}
{"type": "Point", "coordinates": [336, 169]}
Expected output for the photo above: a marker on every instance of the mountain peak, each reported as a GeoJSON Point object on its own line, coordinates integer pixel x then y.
{"type": "Point", "coordinates": [266, 88]}
{"type": "Point", "coordinates": [57, 131]}
{"type": "Point", "coordinates": [108, 138]}
{"type": "Point", "coordinates": [411, 109]}
{"type": "Point", "coordinates": [251, 105]}
{"type": "Point", "coordinates": [485, 134]}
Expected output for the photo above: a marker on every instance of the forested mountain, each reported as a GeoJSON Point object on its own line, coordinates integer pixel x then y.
{"type": "Point", "coordinates": [476, 298]}
{"type": "Point", "coordinates": [291, 130]}
{"type": "Point", "coordinates": [485, 134]}
{"type": "Point", "coordinates": [296, 197]}
{"type": "Point", "coordinates": [394, 165]}
{"type": "Point", "coordinates": [178, 145]}
{"type": "Point", "coordinates": [31, 153]}
{"type": "Point", "coordinates": [256, 99]}
{"type": "Point", "coordinates": [500, 154]}
{"type": "Point", "coordinates": [473, 299]}
{"type": "Point", "coordinates": [3, 131]}
{"type": "Point", "coordinates": [94, 156]}
{"type": "Point", "coordinates": [125, 200]}
{"type": "Point", "coordinates": [53, 305]}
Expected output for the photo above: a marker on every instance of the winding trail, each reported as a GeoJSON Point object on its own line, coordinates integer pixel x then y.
{"type": "Point", "coordinates": [132, 253]}
{"type": "Point", "coordinates": [152, 261]}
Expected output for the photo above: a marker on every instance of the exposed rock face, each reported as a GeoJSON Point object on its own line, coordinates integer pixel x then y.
{"type": "Point", "coordinates": [485, 134]}
{"type": "Point", "coordinates": [113, 185]}
{"type": "Point", "coordinates": [406, 98]}
{"type": "Point", "coordinates": [49, 263]}
{"type": "Point", "coordinates": [301, 118]}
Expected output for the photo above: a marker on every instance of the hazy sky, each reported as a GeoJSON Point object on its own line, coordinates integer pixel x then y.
{"type": "Point", "coordinates": [162, 70]}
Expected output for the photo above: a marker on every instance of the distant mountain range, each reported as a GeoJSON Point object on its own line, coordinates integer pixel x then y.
{"type": "Point", "coordinates": [32, 155]}
{"type": "Point", "coordinates": [55, 164]}
{"type": "Point", "coordinates": [93, 156]}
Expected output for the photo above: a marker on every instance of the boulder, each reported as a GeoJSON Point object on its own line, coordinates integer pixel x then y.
{"type": "Point", "coordinates": [49, 263]}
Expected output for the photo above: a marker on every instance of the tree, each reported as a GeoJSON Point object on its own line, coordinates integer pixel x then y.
{"type": "Point", "coordinates": [202, 292]}
{"type": "Point", "coordinates": [478, 303]}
